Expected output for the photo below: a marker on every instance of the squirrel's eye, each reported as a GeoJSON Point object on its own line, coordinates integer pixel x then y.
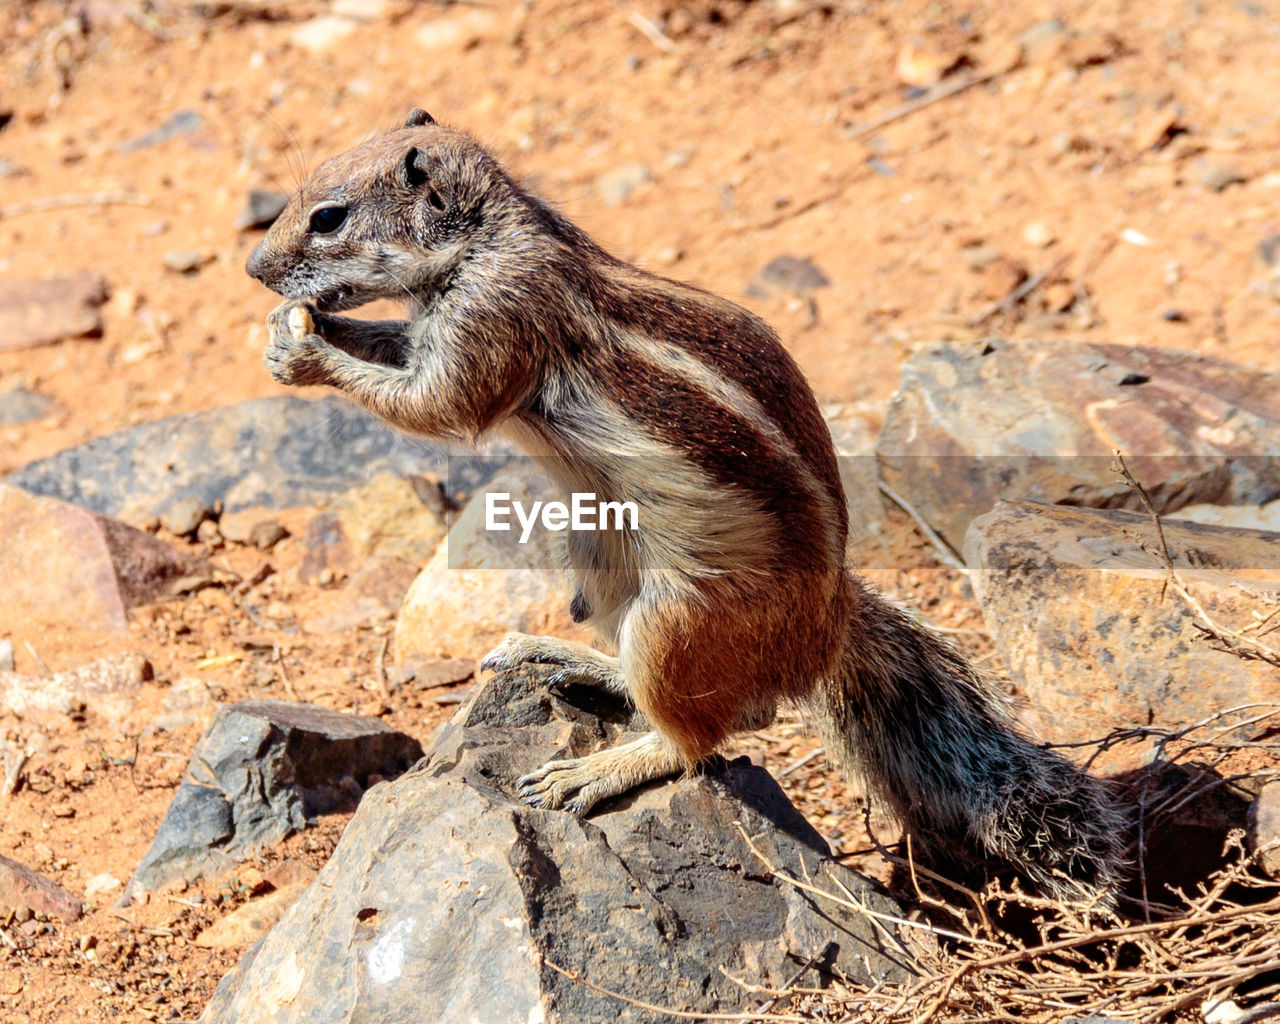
{"type": "Point", "coordinates": [327, 219]}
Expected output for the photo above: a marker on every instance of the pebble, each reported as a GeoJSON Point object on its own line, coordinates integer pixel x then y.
{"type": "Point", "coordinates": [361, 10]}
{"type": "Point", "coordinates": [922, 63]}
{"type": "Point", "coordinates": [185, 261]}
{"type": "Point", "coordinates": [20, 405]}
{"type": "Point", "coordinates": [6, 655]}
{"type": "Point", "coordinates": [617, 186]}
{"type": "Point", "coordinates": [1059, 297]}
{"type": "Point", "coordinates": [1215, 177]}
{"type": "Point", "coordinates": [261, 210]}
{"type": "Point", "coordinates": [207, 533]}
{"type": "Point", "coordinates": [322, 33]}
{"type": "Point", "coordinates": [457, 30]}
{"type": "Point", "coordinates": [1155, 129]}
{"type": "Point", "coordinates": [1037, 235]}
{"type": "Point", "coordinates": [790, 274]}
{"type": "Point", "coordinates": [100, 885]}
{"type": "Point", "coordinates": [267, 534]}
{"type": "Point", "coordinates": [184, 516]}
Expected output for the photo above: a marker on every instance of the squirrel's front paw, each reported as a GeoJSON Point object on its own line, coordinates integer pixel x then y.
{"type": "Point", "coordinates": [295, 353]}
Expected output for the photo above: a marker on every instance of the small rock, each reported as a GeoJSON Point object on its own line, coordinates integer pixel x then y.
{"type": "Point", "coordinates": [978, 256]}
{"type": "Point", "coordinates": [184, 122]}
{"type": "Point", "coordinates": [20, 405]}
{"type": "Point", "coordinates": [247, 924]}
{"type": "Point", "coordinates": [361, 10]}
{"type": "Point", "coordinates": [1135, 237]}
{"type": "Point", "coordinates": [237, 527]}
{"type": "Point", "coordinates": [267, 534]}
{"type": "Point", "coordinates": [456, 30]}
{"type": "Point", "coordinates": [922, 63]}
{"type": "Point", "coordinates": [323, 33]}
{"type": "Point", "coordinates": [263, 770]}
{"type": "Point", "coordinates": [1038, 235]}
{"type": "Point", "coordinates": [1058, 297]}
{"type": "Point", "coordinates": [1264, 827]}
{"type": "Point", "coordinates": [1153, 131]}
{"type": "Point", "coordinates": [1002, 56]}
{"type": "Point", "coordinates": [427, 675]}
{"type": "Point", "coordinates": [1086, 49]}
{"type": "Point", "coordinates": [188, 694]}
{"type": "Point", "coordinates": [999, 278]}
{"type": "Point", "coordinates": [6, 655]}
{"type": "Point", "coordinates": [617, 186]}
{"type": "Point", "coordinates": [107, 687]}
{"type": "Point", "coordinates": [41, 312]}
{"type": "Point", "coordinates": [185, 261]}
{"type": "Point", "coordinates": [22, 887]}
{"type": "Point", "coordinates": [184, 516]}
{"type": "Point", "coordinates": [326, 550]}
{"type": "Point", "coordinates": [1215, 176]}
{"type": "Point", "coordinates": [789, 275]}
{"type": "Point", "coordinates": [100, 885]}
{"type": "Point", "coordinates": [10, 169]}
{"type": "Point", "coordinates": [387, 518]}
{"type": "Point", "coordinates": [261, 210]}
{"type": "Point", "coordinates": [207, 533]}
{"type": "Point", "coordinates": [1043, 40]}
{"type": "Point", "coordinates": [74, 566]}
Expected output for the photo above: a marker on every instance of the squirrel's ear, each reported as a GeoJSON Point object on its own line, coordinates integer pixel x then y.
{"type": "Point", "coordinates": [413, 168]}
{"type": "Point", "coordinates": [417, 118]}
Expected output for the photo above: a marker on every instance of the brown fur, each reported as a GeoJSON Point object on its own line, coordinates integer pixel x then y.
{"type": "Point", "coordinates": [733, 595]}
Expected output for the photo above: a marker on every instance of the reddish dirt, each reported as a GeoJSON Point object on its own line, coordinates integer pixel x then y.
{"type": "Point", "coordinates": [746, 116]}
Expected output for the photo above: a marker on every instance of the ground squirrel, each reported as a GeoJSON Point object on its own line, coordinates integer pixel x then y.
{"type": "Point", "coordinates": [733, 593]}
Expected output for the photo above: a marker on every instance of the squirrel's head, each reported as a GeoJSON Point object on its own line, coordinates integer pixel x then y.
{"type": "Point", "coordinates": [392, 218]}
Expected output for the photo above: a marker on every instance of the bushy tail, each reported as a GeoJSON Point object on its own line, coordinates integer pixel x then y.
{"type": "Point", "coordinates": [911, 715]}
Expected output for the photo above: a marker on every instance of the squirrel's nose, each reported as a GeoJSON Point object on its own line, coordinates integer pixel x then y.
{"type": "Point", "coordinates": [256, 264]}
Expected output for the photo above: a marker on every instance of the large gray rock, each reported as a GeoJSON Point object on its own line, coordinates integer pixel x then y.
{"type": "Point", "coordinates": [269, 452]}
{"type": "Point", "coordinates": [263, 770]}
{"type": "Point", "coordinates": [976, 422]}
{"type": "Point", "coordinates": [1077, 602]}
{"type": "Point", "coordinates": [449, 900]}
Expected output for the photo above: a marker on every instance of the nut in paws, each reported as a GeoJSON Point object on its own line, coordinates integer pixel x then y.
{"type": "Point", "coordinates": [295, 354]}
